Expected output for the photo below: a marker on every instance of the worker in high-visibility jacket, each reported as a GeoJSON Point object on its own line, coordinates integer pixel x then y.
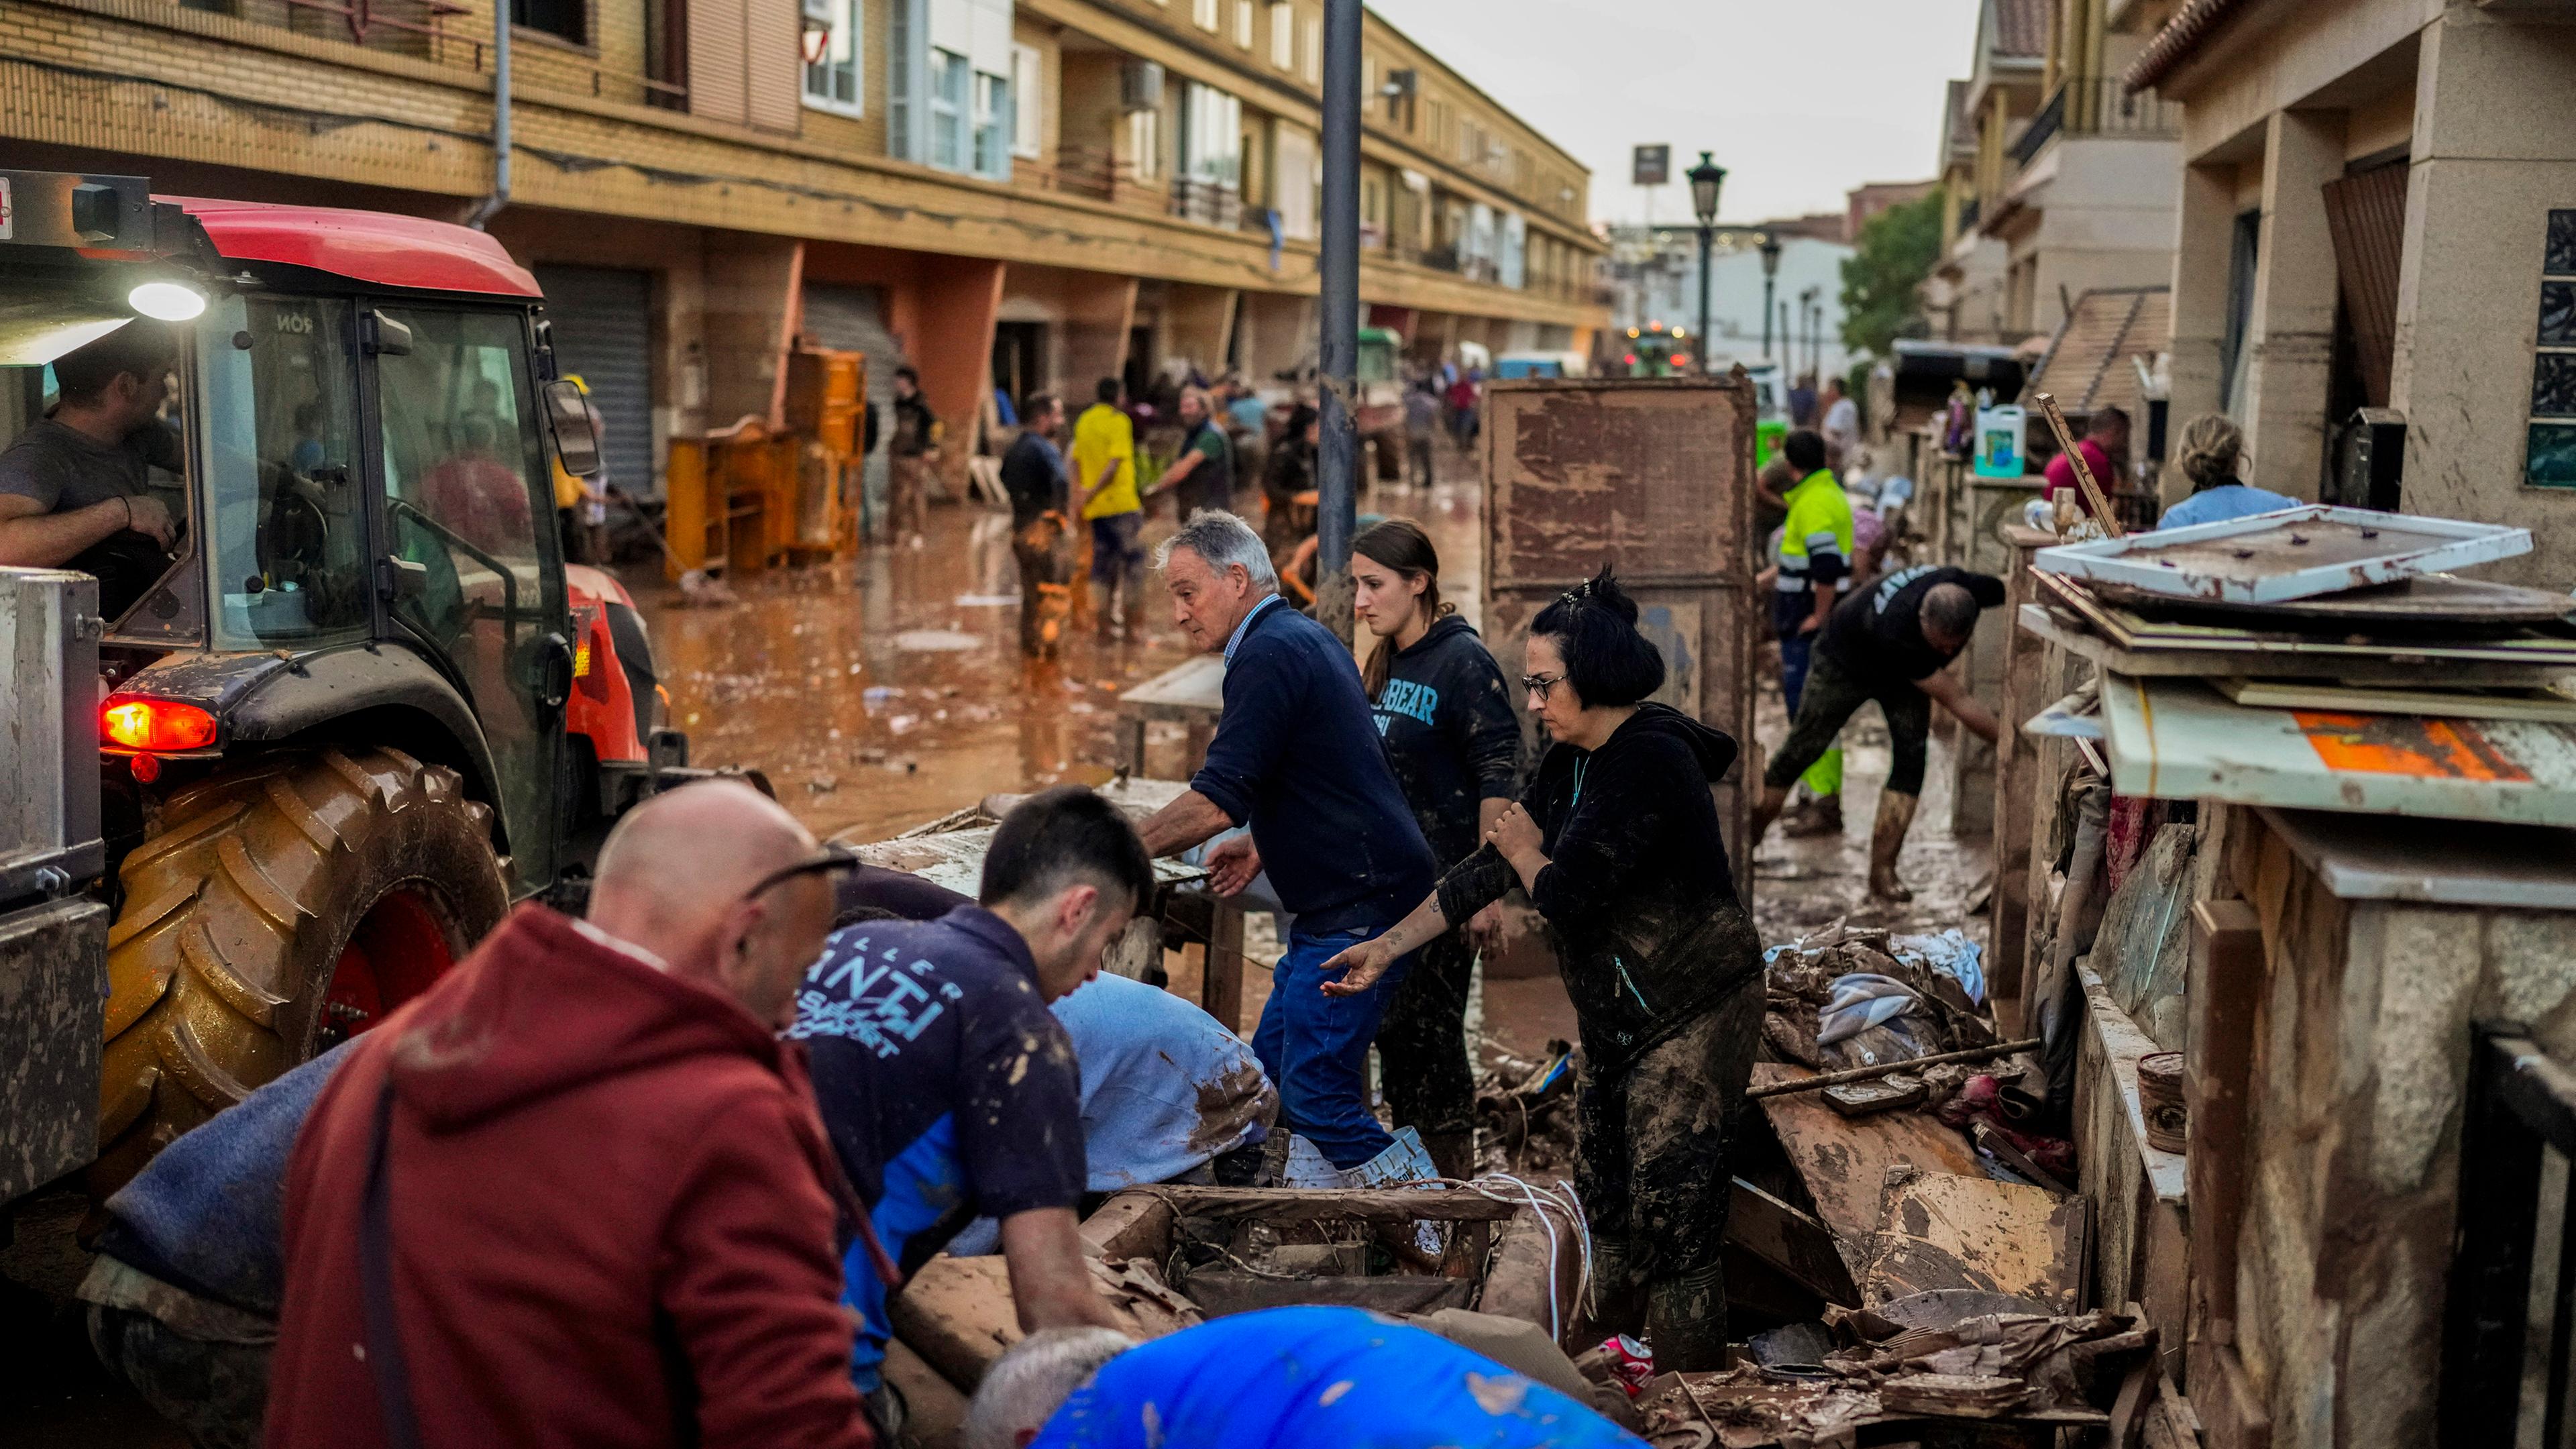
{"type": "Point", "coordinates": [1815, 570]}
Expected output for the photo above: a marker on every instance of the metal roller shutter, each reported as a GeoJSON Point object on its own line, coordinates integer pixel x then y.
{"type": "Point", "coordinates": [852, 319]}
{"type": "Point", "coordinates": [603, 330]}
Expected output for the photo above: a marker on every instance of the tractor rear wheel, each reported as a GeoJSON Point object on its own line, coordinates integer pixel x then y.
{"type": "Point", "coordinates": [280, 908]}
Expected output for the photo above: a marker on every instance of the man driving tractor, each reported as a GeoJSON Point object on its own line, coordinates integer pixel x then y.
{"type": "Point", "coordinates": [72, 486]}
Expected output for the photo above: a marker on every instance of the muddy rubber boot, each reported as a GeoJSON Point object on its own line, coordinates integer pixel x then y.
{"type": "Point", "coordinates": [1618, 1302]}
{"type": "Point", "coordinates": [1886, 838]}
{"type": "Point", "coordinates": [1819, 818]}
{"type": "Point", "coordinates": [1454, 1153]}
{"type": "Point", "coordinates": [1686, 1321]}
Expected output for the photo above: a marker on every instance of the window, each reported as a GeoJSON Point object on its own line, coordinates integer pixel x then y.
{"type": "Point", "coordinates": [1283, 35]}
{"type": "Point", "coordinates": [562, 19]}
{"type": "Point", "coordinates": [1243, 23]}
{"type": "Point", "coordinates": [1204, 12]}
{"type": "Point", "coordinates": [1212, 137]}
{"type": "Point", "coordinates": [992, 125]}
{"type": "Point", "coordinates": [833, 83]}
{"type": "Point", "coordinates": [948, 73]}
{"type": "Point", "coordinates": [294, 567]}
{"type": "Point", "coordinates": [1314, 67]}
{"type": "Point", "coordinates": [2240, 309]}
{"type": "Point", "coordinates": [1028, 86]}
{"type": "Point", "coordinates": [1145, 144]}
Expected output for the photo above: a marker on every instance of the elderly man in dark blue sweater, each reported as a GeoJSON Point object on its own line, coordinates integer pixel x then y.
{"type": "Point", "coordinates": [1297, 758]}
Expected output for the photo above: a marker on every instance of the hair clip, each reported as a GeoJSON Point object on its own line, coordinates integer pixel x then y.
{"type": "Point", "coordinates": [1577, 594]}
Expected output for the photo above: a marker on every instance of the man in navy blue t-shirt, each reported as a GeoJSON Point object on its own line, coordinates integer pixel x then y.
{"type": "Point", "coordinates": [1297, 758]}
{"type": "Point", "coordinates": [949, 1090]}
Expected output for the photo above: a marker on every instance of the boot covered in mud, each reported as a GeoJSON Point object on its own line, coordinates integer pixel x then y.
{"type": "Point", "coordinates": [1886, 839]}
{"type": "Point", "coordinates": [1815, 818]}
{"type": "Point", "coordinates": [1686, 1321]}
{"type": "Point", "coordinates": [1618, 1298]}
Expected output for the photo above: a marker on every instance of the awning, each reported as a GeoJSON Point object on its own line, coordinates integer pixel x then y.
{"type": "Point", "coordinates": [2179, 739]}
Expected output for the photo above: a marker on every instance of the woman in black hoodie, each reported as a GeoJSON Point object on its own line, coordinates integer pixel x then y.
{"type": "Point", "coordinates": [1446, 717]}
{"type": "Point", "coordinates": [1616, 840]}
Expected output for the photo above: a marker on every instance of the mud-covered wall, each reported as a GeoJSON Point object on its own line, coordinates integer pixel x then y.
{"type": "Point", "coordinates": [2361, 1053]}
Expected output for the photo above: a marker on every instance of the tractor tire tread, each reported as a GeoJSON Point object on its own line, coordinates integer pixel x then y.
{"type": "Point", "coordinates": [238, 909]}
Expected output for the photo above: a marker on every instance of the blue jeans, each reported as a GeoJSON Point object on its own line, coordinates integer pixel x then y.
{"type": "Point", "coordinates": [1315, 1048]}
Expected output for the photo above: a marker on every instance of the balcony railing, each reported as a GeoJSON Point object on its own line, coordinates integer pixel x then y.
{"type": "Point", "coordinates": [399, 27]}
{"type": "Point", "coordinates": [1207, 203]}
{"type": "Point", "coordinates": [2100, 106]}
{"type": "Point", "coordinates": [1968, 210]}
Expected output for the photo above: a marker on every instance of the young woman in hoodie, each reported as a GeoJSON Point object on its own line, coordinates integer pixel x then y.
{"type": "Point", "coordinates": [1446, 717]}
{"type": "Point", "coordinates": [1616, 840]}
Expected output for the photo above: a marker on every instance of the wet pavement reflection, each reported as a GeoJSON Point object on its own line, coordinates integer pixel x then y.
{"type": "Point", "coordinates": [888, 690]}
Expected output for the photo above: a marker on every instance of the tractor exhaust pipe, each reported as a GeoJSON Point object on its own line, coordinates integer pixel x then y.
{"type": "Point", "coordinates": [491, 205]}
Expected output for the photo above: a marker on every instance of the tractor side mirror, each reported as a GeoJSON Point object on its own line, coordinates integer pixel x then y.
{"type": "Point", "coordinates": [385, 337]}
{"type": "Point", "coordinates": [575, 428]}
{"type": "Point", "coordinates": [398, 579]}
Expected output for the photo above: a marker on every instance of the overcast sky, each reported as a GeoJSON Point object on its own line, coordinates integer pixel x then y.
{"type": "Point", "coordinates": [1800, 100]}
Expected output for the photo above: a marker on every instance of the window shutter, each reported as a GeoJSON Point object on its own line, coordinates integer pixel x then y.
{"type": "Point", "coordinates": [718, 79]}
{"type": "Point", "coordinates": [773, 63]}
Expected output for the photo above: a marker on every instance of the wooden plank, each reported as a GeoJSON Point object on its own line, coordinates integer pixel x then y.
{"type": "Point", "coordinates": [2225, 986]}
{"type": "Point", "coordinates": [2123, 1047]}
{"type": "Point", "coordinates": [1221, 983]}
{"type": "Point", "coordinates": [1843, 1160]}
{"type": "Point", "coordinates": [934, 1408]}
{"type": "Point", "coordinates": [2231, 1414]}
{"type": "Point", "coordinates": [1791, 1241]}
{"type": "Point", "coordinates": [1129, 1225]}
{"type": "Point", "coordinates": [1292, 1204]}
{"type": "Point", "coordinates": [2531, 704]}
{"type": "Point", "coordinates": [958, 1314]}
{"type": "Point", "coordinates": [2026, 677]}
{"type": "Point", "coordinates": [1940, 1230]}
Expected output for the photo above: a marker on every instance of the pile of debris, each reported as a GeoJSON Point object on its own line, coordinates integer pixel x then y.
{"type": "Point", "coordinates": [2304, 656]}
{"type": "Point", "coordinates": [1525, 1112]}
{"type": "Point", "coordinates": [1855, 996]}
{"type": "Point", "coordinates": [1947, 1355]}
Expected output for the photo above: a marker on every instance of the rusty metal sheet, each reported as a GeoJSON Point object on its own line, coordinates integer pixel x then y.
{"type": "Point", "coordinates": [1941, 1230]}
{"type": "Point", "coordinates": [1653, 477]}
{"type": "Point", "coordinates": [1844, 1160]}
{"type": "Point", "coordinates": [52, 974]}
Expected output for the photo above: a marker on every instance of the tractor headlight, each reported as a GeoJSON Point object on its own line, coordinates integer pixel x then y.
{"type": "Point", "coordinates": [167, 301]}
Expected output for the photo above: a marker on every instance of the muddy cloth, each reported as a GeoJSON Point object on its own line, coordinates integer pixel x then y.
{"type": "Point", "coordinates": [205, 1215]}
{"type": "Point", "coordinates": [1654, 1161]}
{"type": "Point", "coordinates": [1831, 695]}
{"type": "Point", "coordinates": [612, 1216]}
{"type": "Point", "coordinates": [949, 1091]}
{"type": "Point", "coordinates": [217, 1393]}
{"type": "Point", "coordinates": [1165, 1089]}
{"type": "Point", "coordinates": [1648, 927]}
{"type": "Point", "coordinates": [1307, 1377]}
{"type": "Point", "coordinates": [1297, 757]}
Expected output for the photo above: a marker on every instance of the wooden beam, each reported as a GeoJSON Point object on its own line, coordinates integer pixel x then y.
{"type": "Point", "coordinates": [2224, 992]}
{"type": "Point", "coordinates": [1376, 1205]}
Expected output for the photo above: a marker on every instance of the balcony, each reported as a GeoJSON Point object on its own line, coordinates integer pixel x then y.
{"type": "Point", "coordinates": [1968, 211]}
{"type": "Point", "coordinates": [2099, 106]}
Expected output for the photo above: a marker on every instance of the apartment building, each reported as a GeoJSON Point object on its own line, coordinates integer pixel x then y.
{"type": "Point", "coordinates": [2061, 177]}
{"type": "Point", "coordinates": [1025, 195]}
{"type": "Point", "coordinates": [2378, 210]}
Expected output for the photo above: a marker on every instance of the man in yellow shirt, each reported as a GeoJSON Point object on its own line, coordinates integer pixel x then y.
{"type": "Point", "coordinates": [1104, 480]}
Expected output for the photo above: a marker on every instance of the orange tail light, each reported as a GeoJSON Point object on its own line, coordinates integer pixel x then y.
{"type": "Point", "coordinates": [159, 725]}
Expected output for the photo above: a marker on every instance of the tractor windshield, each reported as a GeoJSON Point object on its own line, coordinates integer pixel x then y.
{"type": "Point", "coordinates": [287, 528]}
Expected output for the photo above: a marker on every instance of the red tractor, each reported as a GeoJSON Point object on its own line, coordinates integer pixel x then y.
{"type": "Point", "coordinates": [361, 705]}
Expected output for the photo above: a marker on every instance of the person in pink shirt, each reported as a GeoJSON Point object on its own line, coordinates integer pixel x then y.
{"type": "Point", "coordinates": [2105, 438]}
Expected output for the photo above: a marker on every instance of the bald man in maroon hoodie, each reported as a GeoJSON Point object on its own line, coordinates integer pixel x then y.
{"type": "Point", "coordinates": [577, 1193]}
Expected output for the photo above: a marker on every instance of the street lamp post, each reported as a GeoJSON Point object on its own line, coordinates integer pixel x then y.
{"type": "Point", "coordinates": [1705, 178]}
{"type": "Point", "coordinates": [1808, 311]}
{"type": "Point", "coordinates": [1770, 274]}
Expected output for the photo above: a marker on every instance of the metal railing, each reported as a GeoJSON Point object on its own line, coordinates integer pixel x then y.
{"type": "Point", "coordinates": [2505, 1356]}
{"type": "Point", "coordinates": [1208, 203]}
{"type": "Point", "coordinates": [2099, 106]}
{"type": "Point", "coordinates": [398, 27]}
{"type": "Point", "coordinates": [1968, 210]}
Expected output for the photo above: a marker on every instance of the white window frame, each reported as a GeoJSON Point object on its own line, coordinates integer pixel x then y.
{"type": "Point", "coordinates": [1028, 98]}
{"type": "Point", "coordinates": [1203, 13]}
{"type": "Point", "coordinates": [988, 134]}
{"type": "Point", "coordinates": [1314, 57]}
{"type": "Point", "coordinates": [1243, 24]}
{"type": "Point", "coordinates": [846, 54]}
{"type": "Point", "coordinates": [1283, 35]}
{"type": "Point", "coordinates": [949, 120]}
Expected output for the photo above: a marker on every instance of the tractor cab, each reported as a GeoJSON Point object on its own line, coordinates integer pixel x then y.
{"type": "Point", "coordinates": [358, 703]}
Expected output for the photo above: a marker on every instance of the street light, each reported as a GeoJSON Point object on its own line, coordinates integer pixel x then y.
{"type": "Point", "coordinates": [1705, 178]}
{"type": "Point", "coordinates": [1770, 272]}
